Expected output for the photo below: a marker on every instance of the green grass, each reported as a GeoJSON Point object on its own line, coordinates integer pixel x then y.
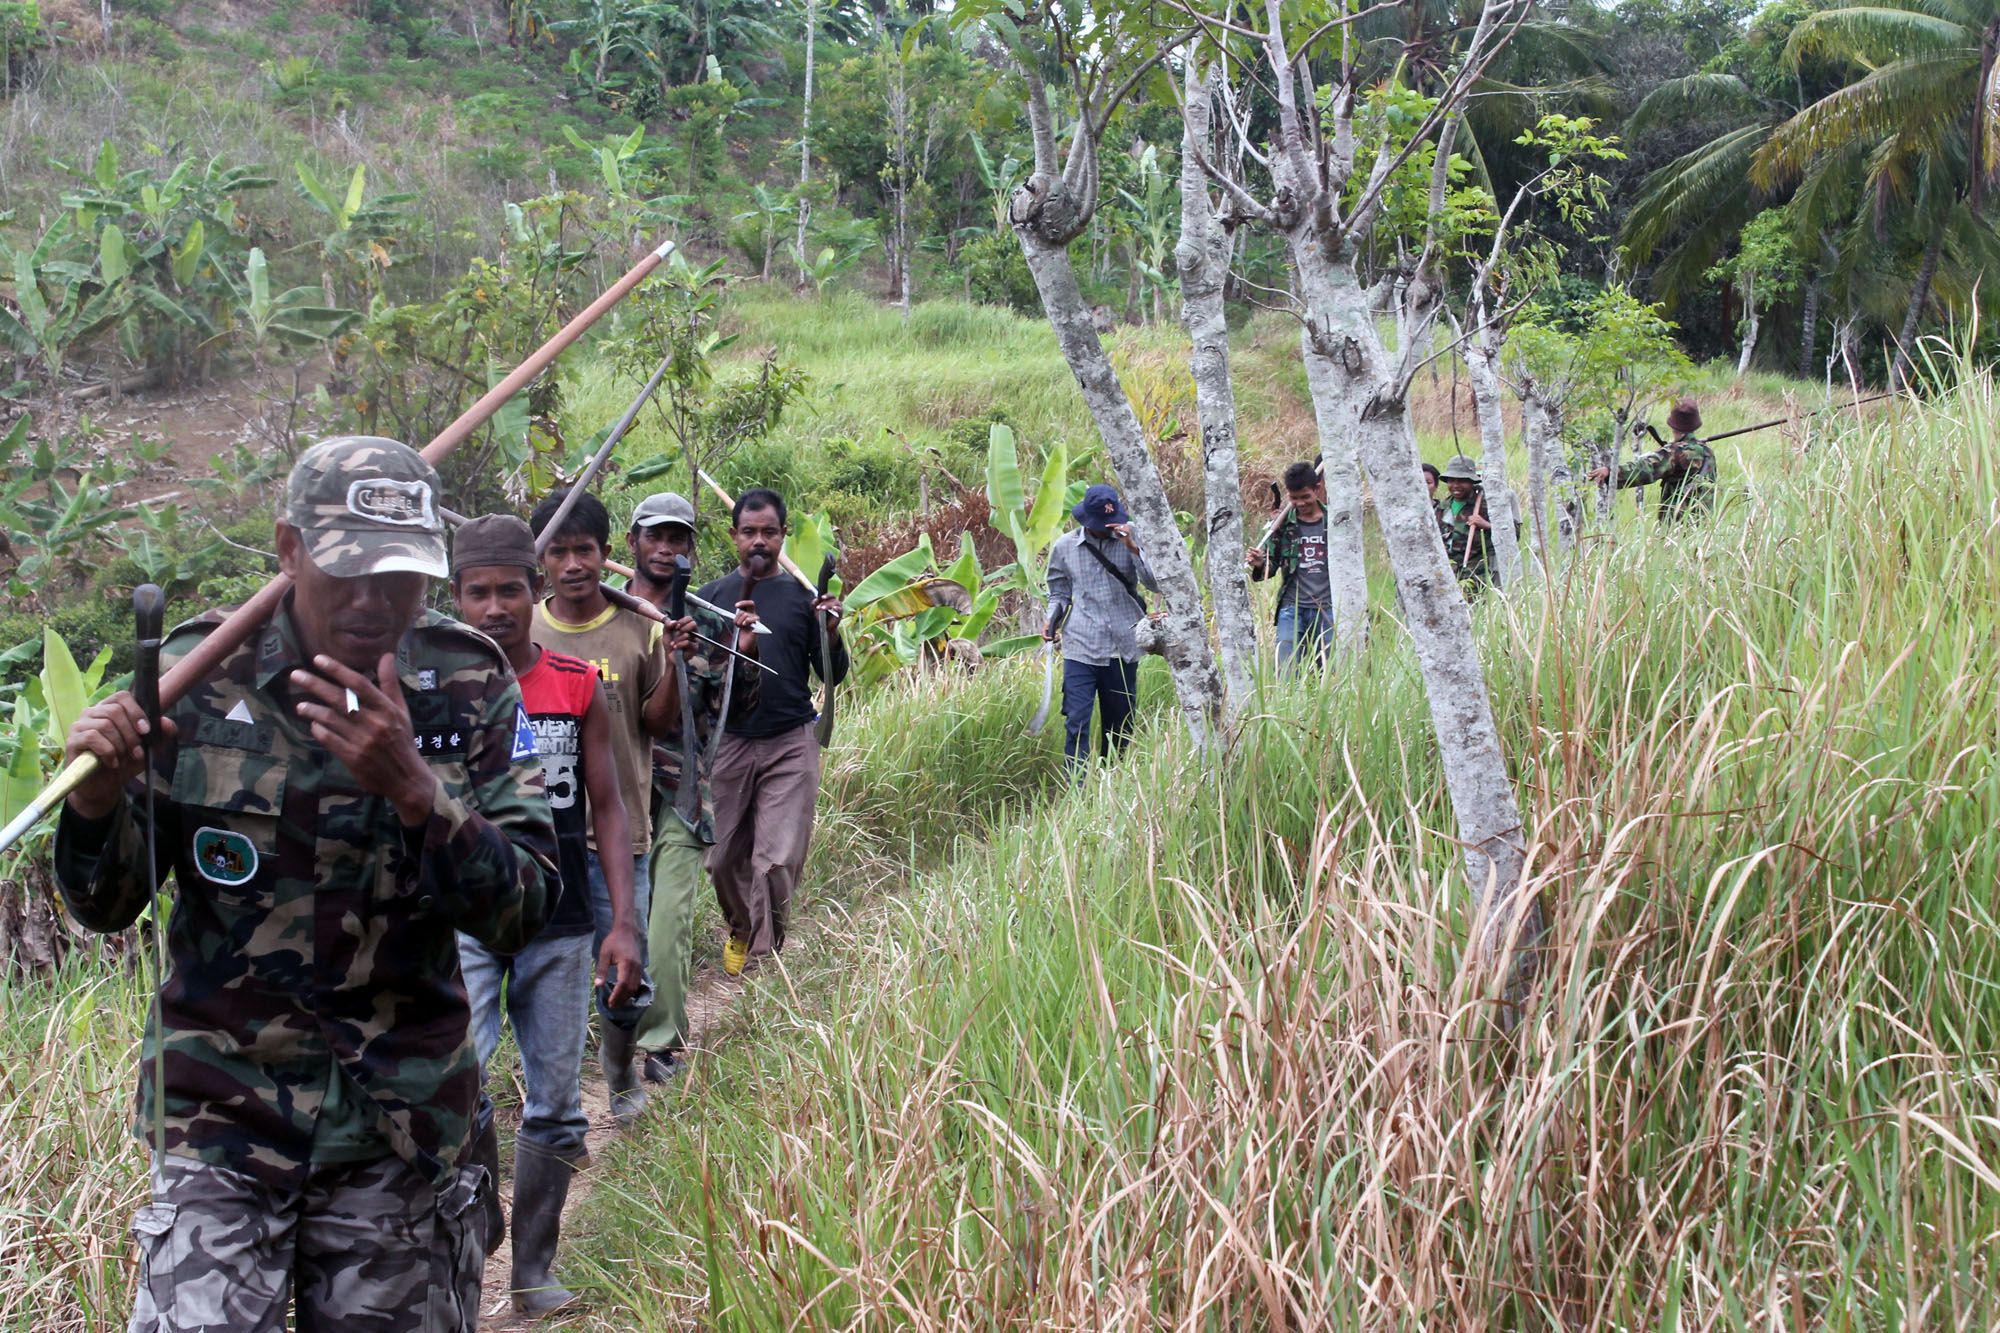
{"type": "Point", "coordinates": [1200, 1044]}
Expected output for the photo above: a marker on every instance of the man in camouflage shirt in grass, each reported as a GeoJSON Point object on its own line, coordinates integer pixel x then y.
{"type": "Point", "coordinates": [346, 789]}
{"type": "Point", "coordinates": [1684, 468]}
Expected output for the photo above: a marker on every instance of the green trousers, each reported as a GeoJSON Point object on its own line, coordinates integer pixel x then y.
{"type": "Point", "coordinates": [678, 882]}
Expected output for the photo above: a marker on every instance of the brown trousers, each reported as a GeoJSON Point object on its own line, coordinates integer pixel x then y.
{"type": "Point", "coordinates": [763, 790]}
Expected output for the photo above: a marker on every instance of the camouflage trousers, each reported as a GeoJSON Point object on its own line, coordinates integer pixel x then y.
{"type": "Point", "coordinates": [365, 1247]}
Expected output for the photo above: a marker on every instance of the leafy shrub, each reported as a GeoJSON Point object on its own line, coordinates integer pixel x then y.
{"type": "Point", "coordinates": [880, 468]}
{"type": "Point", "coordinates": [996, 273]}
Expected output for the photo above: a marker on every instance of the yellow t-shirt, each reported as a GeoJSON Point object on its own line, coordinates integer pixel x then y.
{"type": "Point", "coordinates": [631, 657]}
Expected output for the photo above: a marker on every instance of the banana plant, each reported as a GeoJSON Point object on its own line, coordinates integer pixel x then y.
{"type": "Point", "coordinates": [611, 156]}
{"type": "Point", "coordinates": [361, 228]}
{"type": "Point", "coordinates": [295, 313]}
{"type": "Point", "coordinates": [907, 612]}
{"type": "Point", "coordinates": [57, 305]}
{"type": "Point", "coordinates": [1032, 528]}
{"type": "Point", "coordinates": [33, 731]}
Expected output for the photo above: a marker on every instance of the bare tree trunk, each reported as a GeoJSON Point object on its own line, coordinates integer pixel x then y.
{"type": "Point", "coordinates": [1203, 259]}
{"type": "Point", "coordinates": [1482, 358]}
{"type": "Point", "coordinates": [1607, 457]}
{"type": "Point", "coordinates": [1196, 681]}
{"type": "Point", "coordinates": [899, 129]}
{"type": "Point", "coordinates": [1548, 473]}
{"type": "Point", "coordinates": [1920, 295]}
{"type": "Point", "coordinates": [1440, 624]}
{"type": "Point", "coordinates": [1336, 405]}
{"type": "Point", "coordinates": [1751, 324]}
{"type": "Point", "coordinates": [1809, 326]}
{"type": "Point", "coordinates": [805, 135]}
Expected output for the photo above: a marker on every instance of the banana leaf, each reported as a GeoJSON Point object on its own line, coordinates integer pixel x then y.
{"type": "Point", "coordinates": [983, 607]}
{"type": "Point", "coordinates": [1003, 475]}
{"type": "Point", "coordinates": [1044, 521]}
{"type": "Point", "coordinates": [894, 575]}
{"type": "Point", "coordinates": [62, 686]}
{"type": "Point", "coordinates": [1007, 647]}
{"type": "Point", "coordinates": [965, 570]}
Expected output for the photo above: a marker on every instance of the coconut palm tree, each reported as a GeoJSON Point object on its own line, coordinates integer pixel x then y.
{"type": "Point", "coordinates": [1921, 111]}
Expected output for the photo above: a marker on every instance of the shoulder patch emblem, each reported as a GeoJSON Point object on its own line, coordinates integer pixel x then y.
{"type": "Point", "coordinates": [224, 856]}
{"type": "Point", "coordinates": [427, 679]}
{"type": "Point", "coordinates": [524, 736]}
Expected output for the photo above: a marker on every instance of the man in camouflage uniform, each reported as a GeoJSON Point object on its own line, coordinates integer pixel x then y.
{"type": "Point", "coordinates": [1468, 536]}
{"type": "Point", "coordinates": [662, 528]}
{"type": "Point", "coordinates": [339, 794]}
{"type": "Point", "coordinates": [1684, 467]}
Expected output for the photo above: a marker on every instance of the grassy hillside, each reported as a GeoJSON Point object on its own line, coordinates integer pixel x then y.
{"type": "Point", "coordinates": [1198, 1043]}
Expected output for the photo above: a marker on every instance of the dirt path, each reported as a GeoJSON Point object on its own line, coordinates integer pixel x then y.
{"type": "Point", "coordinates": [710, 994]}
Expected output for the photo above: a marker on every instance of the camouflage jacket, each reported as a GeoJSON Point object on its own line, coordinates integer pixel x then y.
{"type": "Point", "coordinates": [1471, 556]}
{"type": "Point", "coordinates": [708, 669]}
{"type": "Point", "coordinates": [311, 933]}
{"type": "Point", "coordinates": [1281, 557]}
{"type": "Point", "coordinates": [1682, 488]}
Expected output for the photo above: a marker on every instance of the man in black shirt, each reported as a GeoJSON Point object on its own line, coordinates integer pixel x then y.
{"type": "Point", "coordinates": [766, 773]}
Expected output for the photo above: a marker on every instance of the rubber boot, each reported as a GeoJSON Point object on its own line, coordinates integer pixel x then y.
{"type": "Point", "coordinates": [541, 1184]}
{"type": "Point", "coordinates": [628, 1095]}
{"type": "Point", "coordinates": [486, 1153]}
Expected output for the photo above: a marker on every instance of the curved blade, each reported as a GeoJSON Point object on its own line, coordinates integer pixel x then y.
{"type": "Point", "coordinates": [1041, 718]}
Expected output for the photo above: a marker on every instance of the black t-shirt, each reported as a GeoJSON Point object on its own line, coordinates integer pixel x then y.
{"type": "Point", "coordinates": [785, 700]}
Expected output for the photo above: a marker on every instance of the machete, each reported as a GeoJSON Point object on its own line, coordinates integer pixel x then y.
{"type": "Point", "coordinates": [687, 792]}
{"type": "Point", "coordinates": [1041, 718]}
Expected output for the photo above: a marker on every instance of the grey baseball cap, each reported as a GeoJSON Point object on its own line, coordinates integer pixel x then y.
{"type": "Point", "coordinates": [663, 507]}
{"type": "Point", "coordinates": [367, 505]}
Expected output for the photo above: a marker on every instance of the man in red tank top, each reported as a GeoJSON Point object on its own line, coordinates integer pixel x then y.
{"type": "Point", "coordinates": [496, 583]}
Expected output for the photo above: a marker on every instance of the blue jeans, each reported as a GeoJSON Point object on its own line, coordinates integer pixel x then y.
{"type": "Point", "coordinates": [1113, 691]}
{"type": "Point", "coordinates": [628, 1014]}
{"type": "Point", "coordinates": [545, 985]}
{"type": "Point", "coordinates": [1303, 629]}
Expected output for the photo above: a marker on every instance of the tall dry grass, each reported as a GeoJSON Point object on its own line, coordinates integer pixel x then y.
{"type": "Point", "coordinates": [70, 1173]}
{"type": "Point", "coordinates": [1200, 1047]}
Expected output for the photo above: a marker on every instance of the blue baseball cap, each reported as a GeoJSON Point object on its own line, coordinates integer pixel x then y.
{"type": "Point", "coordinates": [1099, 508]}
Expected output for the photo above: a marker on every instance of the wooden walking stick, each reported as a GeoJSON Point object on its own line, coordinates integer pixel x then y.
{"type": "Point", "coordinates": [229, 635]}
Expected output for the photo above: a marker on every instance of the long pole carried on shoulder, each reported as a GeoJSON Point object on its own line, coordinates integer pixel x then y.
{"type": "Point", "coordinates": [229, 635]}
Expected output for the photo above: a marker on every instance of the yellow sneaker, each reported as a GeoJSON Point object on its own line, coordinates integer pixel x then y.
{"type": "Point", "coordinates": [734, 955]}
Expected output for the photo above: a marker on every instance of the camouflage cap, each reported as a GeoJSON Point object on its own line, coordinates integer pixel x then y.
{"type": "Point", "coordinates": [1460, 468]}
{"type": "Point", "coordinates": [493, 539]}
{"type": "Point", "coordinates": [366, 505]}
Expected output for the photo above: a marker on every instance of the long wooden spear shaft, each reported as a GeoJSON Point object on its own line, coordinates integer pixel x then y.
{"type": "Point", "coordinates": [228, 636]}
{"type": "Point", "coordinates": [1780, 421]}
{"type": "Point", "coordinates": [599, 459]}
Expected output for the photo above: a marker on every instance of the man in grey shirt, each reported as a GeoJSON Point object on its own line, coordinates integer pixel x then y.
{"type": "Point", "coordinates": [1094, 602]}
{"type": "Point", "coordinates": [1296, 552]}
